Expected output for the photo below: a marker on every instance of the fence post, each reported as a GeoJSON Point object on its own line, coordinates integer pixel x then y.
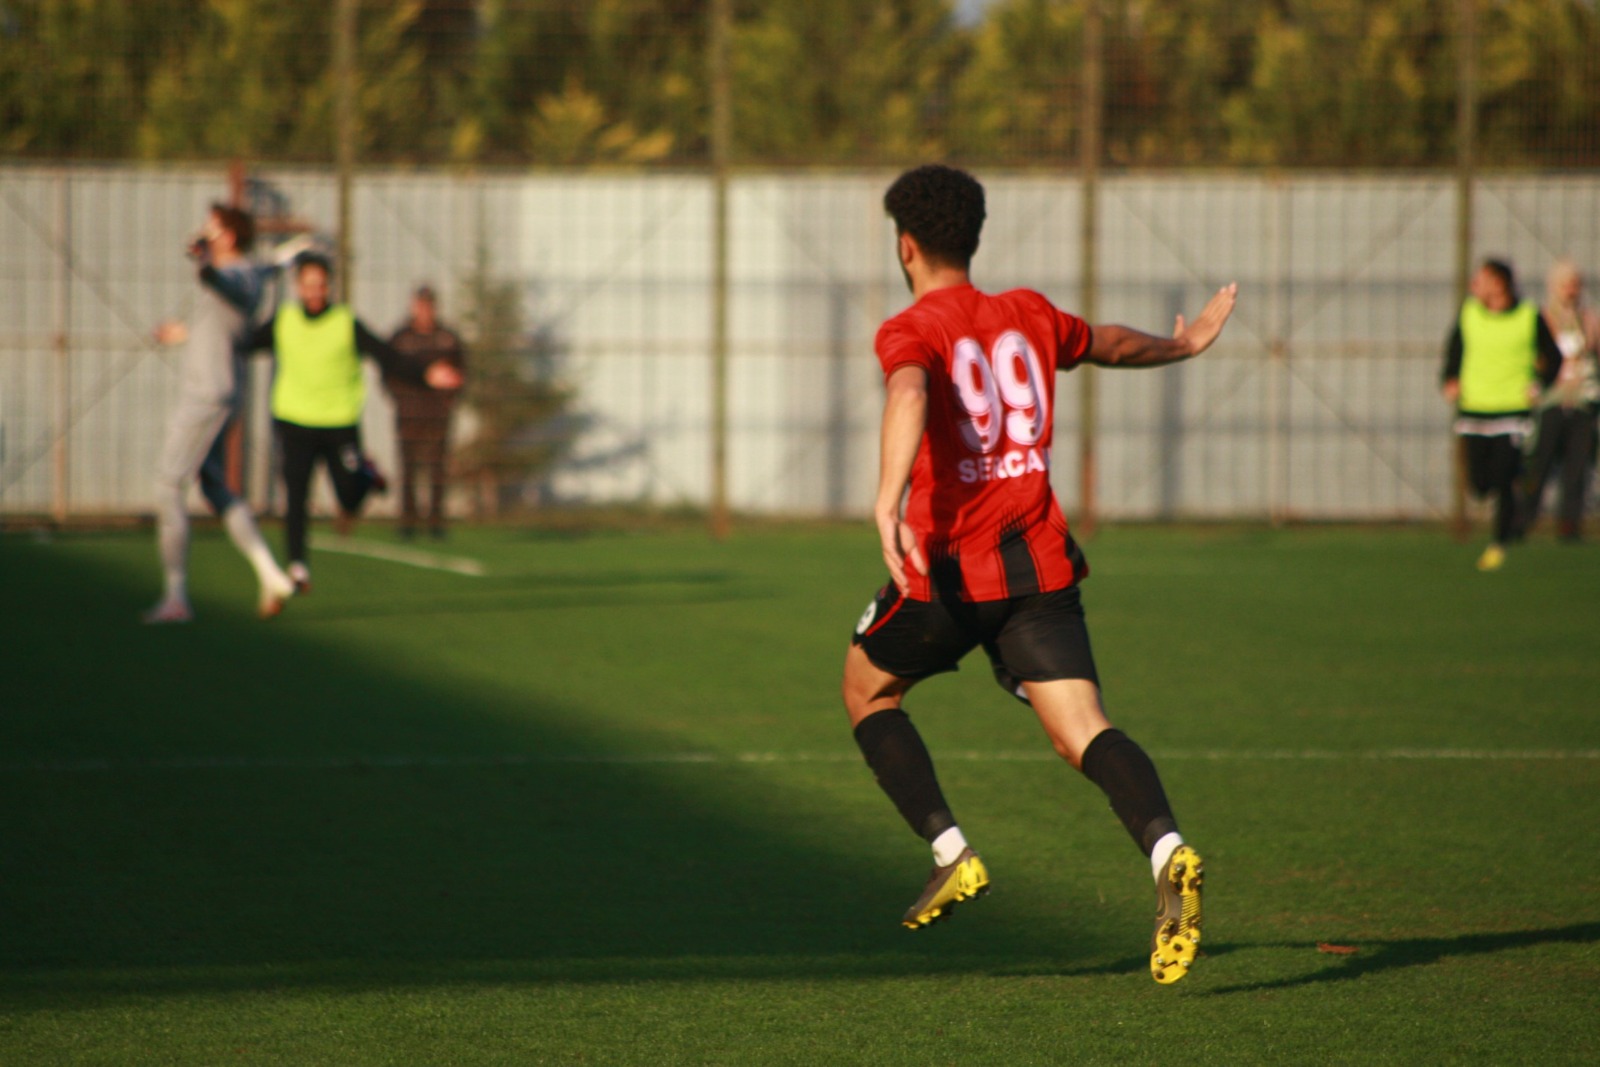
{"type": "Point", "coordinates": [1466, 164]}
{"type": "Point", "coordinates": [61, 448]}
{"type": "Point", "coordinates": [1277, 231]}
{"type": "Point", "coordinates": [345, 132]}
{"type": "Point", "coordinates": [721, 136]}
{"type": "Point", "coordinates": [1090, 118]}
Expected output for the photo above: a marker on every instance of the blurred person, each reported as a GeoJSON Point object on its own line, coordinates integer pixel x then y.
{"type": "Point", "coordinates": [318, 393]}
{"type": "Point", "coordinates": [1498, 354]}
{"type": "Point", "coordinates": [231, 288]}
{"type": "Point", "coordinates": [982, 554]}
{"type": "Point", "coordinates": [1565, 431]}
{"type": "Point", "coordinates": [422, 415]}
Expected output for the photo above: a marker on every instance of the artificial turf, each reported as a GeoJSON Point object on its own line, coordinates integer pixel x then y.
{"type": "Point", "coordinates": [601, 806]}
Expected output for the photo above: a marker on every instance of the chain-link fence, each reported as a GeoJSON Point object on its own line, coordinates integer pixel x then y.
{"type": "Point", "coordinates": [1321, 402]}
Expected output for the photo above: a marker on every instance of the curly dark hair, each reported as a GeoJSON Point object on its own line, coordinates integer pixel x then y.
{"type": "Point", "coordinates": [942, 208]}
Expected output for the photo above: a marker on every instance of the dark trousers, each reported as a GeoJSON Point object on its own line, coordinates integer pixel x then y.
{"type": "Point", "coordinates": [422, 460]}
{"type": "Point", "coordinates": [1567, 435]}
{"type": "Point", "coordinates": [339, 449]}
{"type": "Point", "coordinates": [1492, 467]}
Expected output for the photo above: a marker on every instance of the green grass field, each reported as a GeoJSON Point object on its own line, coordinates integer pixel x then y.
{"type": "Point", "coordinates": [601, 806]}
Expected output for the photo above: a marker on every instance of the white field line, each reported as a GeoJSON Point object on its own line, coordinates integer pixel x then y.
{"type": "Point", "coordinates": [411, 557]}
{"type": "Point", "coordinates": [314, 763]}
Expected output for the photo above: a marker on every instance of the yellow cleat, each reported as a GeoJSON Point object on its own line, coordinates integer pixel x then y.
{"type": "Point", "coordinates": [1177, 938]}
{"type": "Point", "coordinates": [1493, 558]}
{"type": "Point", "coordinates": [965, 879]}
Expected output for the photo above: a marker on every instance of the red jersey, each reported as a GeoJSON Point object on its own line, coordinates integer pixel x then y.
{"type": "Point", "coordinates": [981, 503]}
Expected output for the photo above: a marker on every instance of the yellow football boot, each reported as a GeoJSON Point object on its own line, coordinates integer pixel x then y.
{"type": "Point", "coordinates": [1177, 936]}
{"type": "Point", "coordinates": [965, 879]}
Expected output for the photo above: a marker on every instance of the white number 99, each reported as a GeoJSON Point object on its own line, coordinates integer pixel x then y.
{"type": "Point", "coordinates": [1002, 394]}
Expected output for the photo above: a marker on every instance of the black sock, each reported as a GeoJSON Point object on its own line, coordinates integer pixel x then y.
{"type": "Point", "coordinates": [1115, 762]}
{"type": "Point", "coordinates": [900, 761]}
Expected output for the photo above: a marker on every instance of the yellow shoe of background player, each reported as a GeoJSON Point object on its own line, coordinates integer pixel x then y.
{"type": "Point", "coordinates": [1493, 558]}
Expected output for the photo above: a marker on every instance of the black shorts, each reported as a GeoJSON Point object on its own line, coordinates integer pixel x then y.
{"type": "Point", "coordinates": [1037, 638]}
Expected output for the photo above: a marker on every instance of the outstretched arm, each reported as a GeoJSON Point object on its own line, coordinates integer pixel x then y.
{"type": "Point", "coordinates": [436, 375]}
{"type": "Point", "coordinates": [1120, 346]}
{"type": "Point", "coordinates": [905, 415]}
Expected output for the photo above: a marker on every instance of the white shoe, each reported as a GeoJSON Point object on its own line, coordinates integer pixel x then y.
{"type": "Point", "coordinates": [168, 611]}
{"type": "Point", "coordinates": [274, 595]}
{"type": "Point", "coordinates": [300, 575]}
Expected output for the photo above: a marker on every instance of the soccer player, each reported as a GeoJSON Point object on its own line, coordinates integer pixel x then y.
{"type": "Point", "coordinates": [231, 287]}
{"type": "Point", "coordinates": [981, 554]}
{"type": "Point", "coordinates": [1499, 356]}
{"type": "Point", "coordinates": [318, 393]}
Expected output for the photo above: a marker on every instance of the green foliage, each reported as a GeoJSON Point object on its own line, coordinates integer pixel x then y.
{"type": "Point", "coordinates": [255, 79]}
{"type": "Point", "coordinates": [625, 82]}
{"type": "Point", "coordinates": [72, 72]}
{"type": "Point", "coordinates": [838, 81]}
{"type": "Point", "coordinates": [1018, 95]}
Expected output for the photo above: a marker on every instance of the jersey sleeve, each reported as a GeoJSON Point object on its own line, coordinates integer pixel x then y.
{"type": "Point", "coordinates": [1072, 339]}
{"type": "Point", "coordinates": [898, 345]}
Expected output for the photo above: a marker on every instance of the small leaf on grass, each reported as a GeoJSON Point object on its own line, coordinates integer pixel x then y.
{"type": "Point", "coordinates": [1336, 950]}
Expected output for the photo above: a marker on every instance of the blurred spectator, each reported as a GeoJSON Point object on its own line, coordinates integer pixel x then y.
{"type": "Point", "coordinates": [318, 393]}
{"type": "Point", "coordinates": [422, 415]}
{"type": "Point", "coordinates": [1498, 353]}
{"type": "Point", "coordinates": [214, 349]}
{"type": "Point", "coordinates": [1565, 432]}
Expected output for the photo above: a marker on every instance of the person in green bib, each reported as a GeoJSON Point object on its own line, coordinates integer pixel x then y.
{"type": "Point", "coordinates": [1498, 359]}
{"type": "Point", "coordinates": [318, 393]}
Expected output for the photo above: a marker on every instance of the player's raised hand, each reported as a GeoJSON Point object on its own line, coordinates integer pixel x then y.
{"type": "Point", "coordinates": [1207, 326]}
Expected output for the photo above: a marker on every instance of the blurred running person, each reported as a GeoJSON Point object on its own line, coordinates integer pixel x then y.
{"type": "Point", "coordinates": [318, 392]}
{"type": "Point", "coordinates": [422, 415]}
{"type": "Point", "coordinates": [1494, 362]}
{"type": "Point", "coordinates": [1565, 432]}
{"type": "Point", "coordinates": [981, 554]}
{"type": "Point", "coordinates": [231, 288]}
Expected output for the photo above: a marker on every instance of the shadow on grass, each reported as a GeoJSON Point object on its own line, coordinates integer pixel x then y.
{"type": "Point", "coordinates": [186, 811]}
{"type": "Point", "coordinates": [1378, 956]}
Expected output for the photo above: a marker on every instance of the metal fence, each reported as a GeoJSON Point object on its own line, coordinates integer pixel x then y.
{"type": "Point", "coordinates": [1321, 401]}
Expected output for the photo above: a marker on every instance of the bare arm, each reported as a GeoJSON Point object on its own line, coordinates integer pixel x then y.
{"type": "Point", "coordinates": [905, 416]}
{"type": "Point", "coordinates": [1121, 346]}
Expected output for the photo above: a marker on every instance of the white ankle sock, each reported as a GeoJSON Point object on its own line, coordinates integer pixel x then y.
{"type": "Point", "coordinates": [246, 537]}
{"type": "Point", "coordinates": [1163, 852]}
{"type": "Point", "coordinates": [947, 846]}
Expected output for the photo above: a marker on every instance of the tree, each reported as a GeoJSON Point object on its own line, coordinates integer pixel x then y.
{"type": "Point", "coordinates": [838, 81]}
{"type": "Point", "coordinates": [254, 78]}
{"type": "Point", "coordinates": [1016, 98]}
{"type": "Point", "coordinates": [73, 72]}
{"type": "Point", "coordinates": [514, 408]}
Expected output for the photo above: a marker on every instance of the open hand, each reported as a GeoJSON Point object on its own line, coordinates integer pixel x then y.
{"type": "Point", "coordinates": [171, 332]}
{"type": "Point", "coordinates": [1207, 326]}
{"type": "Point", "coordinates": [442, 375]}
{"type": "Point", "coordinates": [900, 548]}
